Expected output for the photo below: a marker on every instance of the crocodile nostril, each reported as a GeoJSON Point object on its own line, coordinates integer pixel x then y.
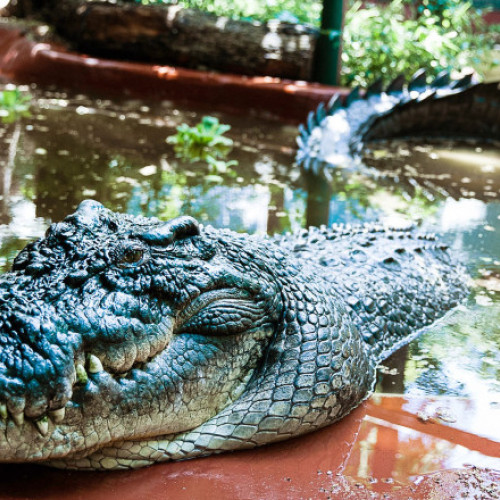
{"type": "Point", "coordinates": [88, 214]}
{"type": "Point", "coordinates": [36, 269]}
{"type": "Point", "coordinates": [77, 278]}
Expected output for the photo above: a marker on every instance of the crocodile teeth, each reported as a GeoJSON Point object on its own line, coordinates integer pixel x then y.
{"type": "Point", "coordinates": [94, 364]}
{"type": "Point", "coordinates": [3, 411]}
{"type": "Point", "coordinates": [81, 374]}
{"type": "Point", "coordinates": [18, 418]}
{"type": "Point", "coordinates": [43, 425]}
{"type": "Point", "coordinates": [58, 415]}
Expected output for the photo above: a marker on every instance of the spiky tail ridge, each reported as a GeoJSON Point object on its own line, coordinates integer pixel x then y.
{"type": "Point", "coordinates": [336, 133]}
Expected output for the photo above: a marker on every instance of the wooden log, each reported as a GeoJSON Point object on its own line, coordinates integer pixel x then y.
{"type": "Point", "coordinates": [185, 37]}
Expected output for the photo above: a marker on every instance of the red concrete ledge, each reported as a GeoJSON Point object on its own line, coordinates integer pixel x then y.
{"type": "Point", "coordinates": [492, 17]}
{"type": "Point", "coordinates": [25, 61]}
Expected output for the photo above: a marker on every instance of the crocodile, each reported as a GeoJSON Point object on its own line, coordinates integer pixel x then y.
{"type": "Point", "coordinates": [127, 340]}
{"type": "Point", "coordinates": [336, 133]}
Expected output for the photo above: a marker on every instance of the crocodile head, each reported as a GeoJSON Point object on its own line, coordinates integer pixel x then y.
{"type": "Point", "coordinates": [126, 341]}
{"type": "Point", "coordinates": [116, 328]}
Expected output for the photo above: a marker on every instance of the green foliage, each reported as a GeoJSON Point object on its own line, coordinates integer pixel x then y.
{"type": "Point", "coordinates": [204, 142]}
{"type": "Point", "coordinates": [295, 11]}
{"type": "Point", "coordinates": [14, 104]}
{"type": "Point", "coordinates": [383, 39]}
{"type": "Point", "coordinates": [436, 7]}
{"type": "Point", "coordinates": [393, 39]}
{"type": "Point", "coordinates": [204, 139]}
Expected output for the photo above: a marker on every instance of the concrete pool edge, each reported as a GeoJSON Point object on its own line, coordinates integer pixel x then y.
{"type": "Point", "coordinates": [25, 61]}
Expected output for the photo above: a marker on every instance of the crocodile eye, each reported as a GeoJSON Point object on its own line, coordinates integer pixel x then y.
{"type": "Point", "coordinates": [131, 255]}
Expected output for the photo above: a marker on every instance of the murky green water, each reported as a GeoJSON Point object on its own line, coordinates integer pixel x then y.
{"type": "Point", "coordinates": [454, 190]}
{"type": "Point", "coordinates": [72, 149]}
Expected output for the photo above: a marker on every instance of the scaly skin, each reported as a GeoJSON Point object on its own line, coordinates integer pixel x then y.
{"type": "Point", "coordinates": [127, 341]}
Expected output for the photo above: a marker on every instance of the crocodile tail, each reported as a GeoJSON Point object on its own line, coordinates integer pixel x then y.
{"type": "Point", "coordinates": [335, 133]}
{"type": "Point", "coordinates": [470, 113]}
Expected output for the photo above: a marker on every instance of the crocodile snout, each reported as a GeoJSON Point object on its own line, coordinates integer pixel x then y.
{"type": "Point", "coordinates": [37, 367]}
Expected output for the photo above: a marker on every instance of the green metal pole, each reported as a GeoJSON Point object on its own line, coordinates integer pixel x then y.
{"type": "Point", "coordinates": [326, 65]}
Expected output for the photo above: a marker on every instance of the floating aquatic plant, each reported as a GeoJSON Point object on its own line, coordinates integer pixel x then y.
{"type": "Point", "coordinates": [204, 142]}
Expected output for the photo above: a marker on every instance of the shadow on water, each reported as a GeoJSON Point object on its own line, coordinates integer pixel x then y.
{"type": "Point", "coordinates": [444, 403]}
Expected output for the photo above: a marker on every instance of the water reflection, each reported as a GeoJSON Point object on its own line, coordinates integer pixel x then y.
{"type": "Point", "coordinates": [381, 450]}
{"type": "Point", "coordinates": [72, 157]}
{"type": "Point", "coordinates": [72, 149]}
{"type": "Point", "coordinates": [455, 170]}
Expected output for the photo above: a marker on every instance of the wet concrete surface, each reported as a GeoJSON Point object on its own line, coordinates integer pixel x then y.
{"type": "Point", "coordinates": [390, 447]}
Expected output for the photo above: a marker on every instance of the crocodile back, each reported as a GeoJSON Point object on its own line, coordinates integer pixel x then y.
{"type": "Point", "coordinates": [394, 282]}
